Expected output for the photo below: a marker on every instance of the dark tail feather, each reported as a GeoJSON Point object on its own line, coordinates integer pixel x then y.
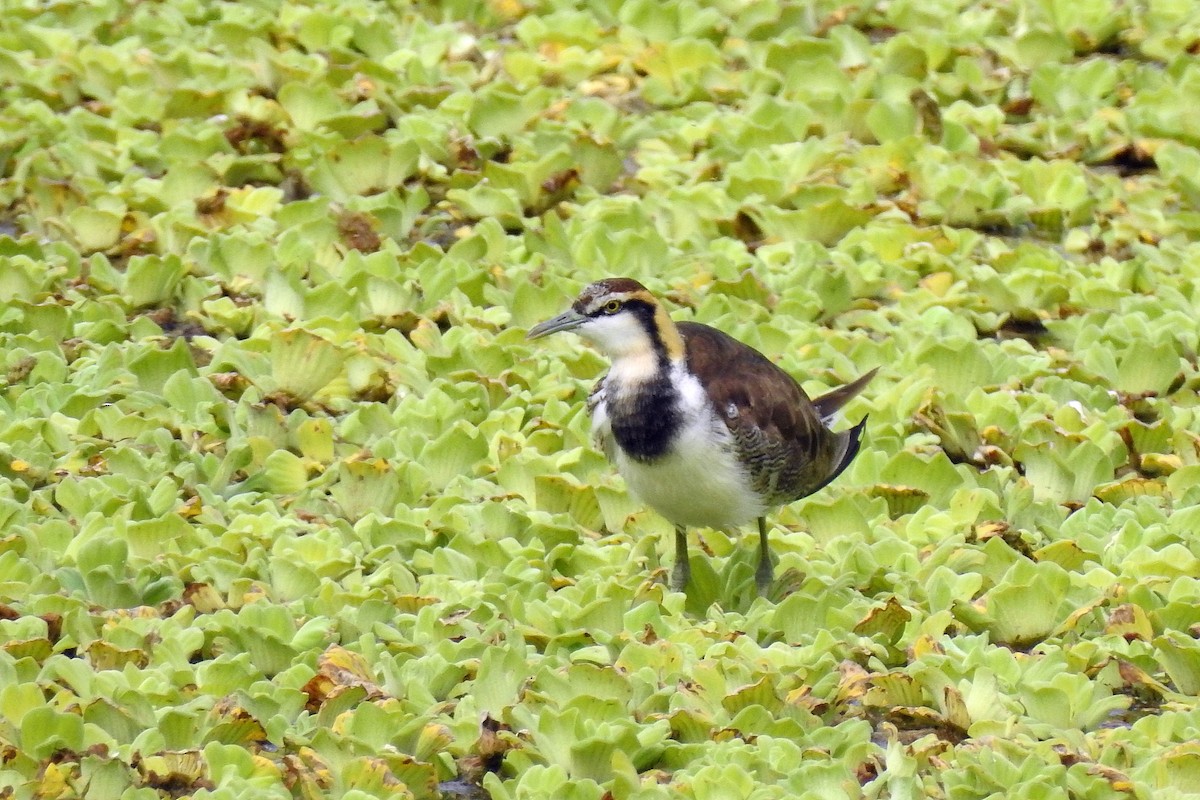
{"type": "Point", "coordinates": [852, 440]}
{"type": "Point", "coordinates": [831, 402]}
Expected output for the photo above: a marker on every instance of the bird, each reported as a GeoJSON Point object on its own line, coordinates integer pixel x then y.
{"type": "Point", "coordinates": [704, 429]}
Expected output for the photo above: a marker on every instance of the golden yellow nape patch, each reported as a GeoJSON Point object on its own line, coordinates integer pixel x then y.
{"type": "Point", "coordinates": [671, 339]}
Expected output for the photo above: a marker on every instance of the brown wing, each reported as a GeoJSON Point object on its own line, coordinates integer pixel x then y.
{"type": "Point", "coordinates": [776, 428]}
{"type": "Point", "coordinates": [832, 401]}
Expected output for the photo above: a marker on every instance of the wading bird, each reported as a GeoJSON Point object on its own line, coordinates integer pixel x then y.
{"type": "Point", "coordinates": [705, 430]}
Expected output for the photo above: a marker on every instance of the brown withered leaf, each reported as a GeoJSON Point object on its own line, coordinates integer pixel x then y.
{"type": "Point", "coordinates": [175, 773]}
{"type": "Point", "coordinates": [853, 683]}
{"type": "Point", "coordinates": [306, 773]}
{"type": "Point", "coordinates": [1129, 621]}
{"type": "Point", "coordinates": [204, 598]}
{"type": "Point", "coordinates": [1144, 688]}
{"type": "Point", "coordinates": [339, 669]}
{"type": "Point", "coordinates": [38, 649]}
{"type": "Point", "coordinates": [104, 655]}
{"type": "Point", "coordinates": [487, 753]}
{"type": "Point", "coordinates": [358, 232]}
{"type": "Point", "coordinates": [888, 619]}
{"type": "Point", "coordinates": [54, 623]}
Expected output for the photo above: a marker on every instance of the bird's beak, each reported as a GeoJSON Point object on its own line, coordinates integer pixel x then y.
{"type": "Point", "coordinates": [569, 320]}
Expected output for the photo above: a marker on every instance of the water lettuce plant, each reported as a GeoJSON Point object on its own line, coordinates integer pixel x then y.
{"type": "Point", "coordinates": [288, 507]}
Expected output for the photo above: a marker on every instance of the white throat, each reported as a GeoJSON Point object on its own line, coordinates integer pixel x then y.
{"type": "Point", "coordinates": [627, 345]}
{"type": "Point", "coordinates": [633, 368]}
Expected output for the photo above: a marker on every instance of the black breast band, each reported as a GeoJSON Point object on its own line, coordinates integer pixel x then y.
{"type": "Point", "coordinates": [645, 417]}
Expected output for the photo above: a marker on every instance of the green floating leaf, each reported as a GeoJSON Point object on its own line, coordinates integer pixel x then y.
{"type": "Point", "coordinates": [303, 363]}
{"type": "Point", "coordinates": [38, 649]}
{"type": "Point", "coordinates": [151, 280]}
{"type": "Point", "coordinates": [308, 104]}
{"type": "Point", "coordinates": [957, 430]}
{"type": "Point", "coordinates": [283, 473]}
{"type": "Point", "coordinates": [16, 281]}
{"type": "Point", "coordinates": [94, 229]}
{"type": "Point", "coordinates": [1178, 769]}
{"type": "Point", "coordinates": [825, 222]}
{"type": "Point", "coordinates": [1180, 657]}
{"type": "Point", "coordinates": [314, 439]}
{"type": "Point", "coordinates": [361, 487]}
{"type": "Point", "coordinates": [1147, 369]}
{"type": "Point", "coordinates": [45, 731]}
{"type": "Point", "coordinates": [456, 452]}
{"type": "Point", "coordinates": [563, 493]}
{"type": "Point", "coordinates": [292, 581]}
{"type": "Point", "coordinates": [888, 620]}
{"type": "Point", "coordinates": [889, 120]}
{"type": "Point", "coordinates": [900, 500]}
{"type": "Point", "coordinates": [153, 537]}
{"type": "Point", "coordinates": [760, 693]}
{"type": "Point", "coordinates": [1064, 470]}
{"type": "Point", "coordinates": [488, 202]}
{"type": "Point", "coordinates": [1025, 607]}
{"type": "Point", "coordinates": [895, 689]}
{"type": "Point", "coordinates": [1066, 553]}
{"type": "Point", "coordinates": [368, 165]}
{"type": "Point", "coordinates": [48, 319]}
{"type": "Point", "coordinates": [502, 670]}
{"type": "Point", "coordinates": [501, 110]}
{"type": "Point", "coordinates": [677, 69]}
{"type": "Point", "coordinates": [934, 478]}
{"type": "Point", "coordinates": [154, 368]}
{"type": "Point", "coordinates": [1130, 489]}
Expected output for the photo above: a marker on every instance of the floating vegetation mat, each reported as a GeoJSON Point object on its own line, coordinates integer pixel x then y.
{"type": "Point", "coordinates": [289, 508]}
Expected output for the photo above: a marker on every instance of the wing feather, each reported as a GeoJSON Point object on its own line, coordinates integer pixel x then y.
{"type": "Point", "coordinates": [777, 429]}
{"type": "Point", "coordinates": [597, 406]}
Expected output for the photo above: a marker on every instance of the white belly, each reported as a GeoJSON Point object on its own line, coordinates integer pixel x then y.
{"type": "Point", "coordinates": [699, 482]}
{"type": "Point", "coordinates": [696, 485]}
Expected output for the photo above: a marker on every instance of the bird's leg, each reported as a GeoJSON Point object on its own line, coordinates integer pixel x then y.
{"type": "Point", "coordinates": [681, 573]}
{"type": "Point", "coordinates": [765, 574]}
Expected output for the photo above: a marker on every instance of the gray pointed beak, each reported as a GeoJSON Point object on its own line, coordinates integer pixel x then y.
{"type": "Point", "coordinates": [569, 320]}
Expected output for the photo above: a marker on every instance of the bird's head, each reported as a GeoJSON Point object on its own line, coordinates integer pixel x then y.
{"type": "Point", "coordinates": [621, 318]}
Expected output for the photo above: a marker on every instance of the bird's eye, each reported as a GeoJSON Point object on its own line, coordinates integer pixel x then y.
{"type": "Point", "coordinates": [612, 306]}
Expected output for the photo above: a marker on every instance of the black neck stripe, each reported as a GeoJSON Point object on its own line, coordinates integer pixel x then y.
{"type": "Point", "coordinates": [644, 313]}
